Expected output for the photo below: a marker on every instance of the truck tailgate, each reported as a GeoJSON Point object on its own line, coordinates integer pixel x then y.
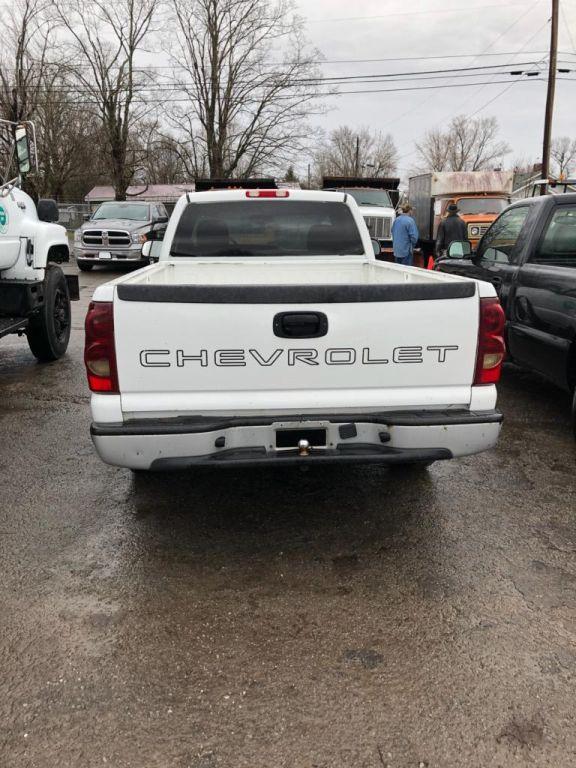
{"type": "Point", "coordinates": [191, 348]}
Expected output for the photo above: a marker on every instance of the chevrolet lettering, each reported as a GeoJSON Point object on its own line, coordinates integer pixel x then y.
{"type": "Point", "coordinates": [165, 358]}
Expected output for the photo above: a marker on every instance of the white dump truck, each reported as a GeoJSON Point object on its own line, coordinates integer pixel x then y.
{"type": "Point", "coordinates": [377, 198]}
{"type": "Point", "coordinates": [34, 292]}
{"type": "Point", "coordinates": [268, 333]}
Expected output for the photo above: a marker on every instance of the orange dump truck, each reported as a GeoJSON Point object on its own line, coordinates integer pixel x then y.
{"type": "Point", "coordinates": [480, 196]}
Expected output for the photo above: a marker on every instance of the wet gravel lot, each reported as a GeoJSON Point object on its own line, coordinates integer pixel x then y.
{"type": "Point", "coordinates": [338, 618]}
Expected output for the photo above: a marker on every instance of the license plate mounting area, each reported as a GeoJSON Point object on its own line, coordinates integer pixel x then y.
{"type": "Point", "coordinates": [289, 438]}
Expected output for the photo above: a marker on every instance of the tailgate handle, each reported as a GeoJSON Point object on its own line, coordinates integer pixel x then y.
{"type": "Point", "coordinates": [300, 325]}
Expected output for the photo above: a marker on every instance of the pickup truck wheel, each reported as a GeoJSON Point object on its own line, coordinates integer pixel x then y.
{"type": "Point", "coordinates": [84, 266]}
{"type": "Point", "coordinates": [574, 412]}
{"type": "Point", "coordinates": [49, 331]}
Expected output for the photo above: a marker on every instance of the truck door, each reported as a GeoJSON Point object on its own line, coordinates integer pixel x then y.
{"type": "Point", "coordinates": [496, 260]}
{"type": "Point", "coordinates": [542, 318]}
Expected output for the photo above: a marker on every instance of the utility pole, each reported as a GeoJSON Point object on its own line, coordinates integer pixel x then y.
{"type": "Point", "coordinates": [550, 95]}
{"type": "Point", "coordinates": [357, 161]}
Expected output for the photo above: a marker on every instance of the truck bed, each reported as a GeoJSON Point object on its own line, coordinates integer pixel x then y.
{"type": "Point", "coordinates": [293, 272]}
{"type": "Point", "coordinates": [197, 337]}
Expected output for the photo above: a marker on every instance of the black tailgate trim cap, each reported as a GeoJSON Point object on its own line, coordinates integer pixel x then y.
{"type": "Point", "coordinates": [294, 294]}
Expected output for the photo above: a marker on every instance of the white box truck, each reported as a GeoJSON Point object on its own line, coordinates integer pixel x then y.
{"type": "Point", "coordinates": [481, 196]}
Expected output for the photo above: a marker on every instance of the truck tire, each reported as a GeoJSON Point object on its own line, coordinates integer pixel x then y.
{"type": "Point", "coordinates": [574, 413]}
{"type": "Point", "coordinates": [49, 331]}
{"type": "Point", "coordinates": [84, 266]}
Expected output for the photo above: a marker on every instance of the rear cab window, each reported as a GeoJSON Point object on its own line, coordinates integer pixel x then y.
{"type": "Point", "coordinates": [267, 228]}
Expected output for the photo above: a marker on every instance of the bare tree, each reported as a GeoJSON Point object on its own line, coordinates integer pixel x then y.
{"type": "Point", "coordinates": [189, 143]}
{"type": "Point", "coordinates": [70, 144]}
{"type": "Point", "coordinates": [163, 159]}
{"type": "Point", "coordinates": [350, 152]}
{"type": "Point", "coordinates": [467, 145]}
{"type": "Point", "coordinates": [249, 82]}
{"type": "Point", "coordinates": [563, 152]}
{"type": "Point", "coordinates": [107, 37]}
{"type": "Point", "coordinates": [434, 150]}
{"type": "Point", "coordinates": [25, 40]}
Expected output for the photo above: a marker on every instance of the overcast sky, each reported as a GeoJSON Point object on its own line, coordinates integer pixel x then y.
{"type": "Point", "coordinates": [378, 29]}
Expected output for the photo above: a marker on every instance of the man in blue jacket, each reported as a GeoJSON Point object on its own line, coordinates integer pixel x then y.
{"type": "Point", "coordinates": [404, 236]}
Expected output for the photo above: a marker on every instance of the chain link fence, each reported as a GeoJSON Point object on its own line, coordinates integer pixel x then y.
{"type": "Point", "coordinates": [72, 215]}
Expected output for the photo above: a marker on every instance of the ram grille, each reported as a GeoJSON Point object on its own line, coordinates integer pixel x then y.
{"type": "Point", "coordinates": [105, 238]}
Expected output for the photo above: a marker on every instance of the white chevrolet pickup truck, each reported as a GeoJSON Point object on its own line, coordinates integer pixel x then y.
{"type": "Point", "coordinates": [268, 333]}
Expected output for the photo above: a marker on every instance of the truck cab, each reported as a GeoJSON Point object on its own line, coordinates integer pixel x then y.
{"type": "Point", "coordinates": [35, 294]}
{"type": "Point", "coordinates": [477, 211]}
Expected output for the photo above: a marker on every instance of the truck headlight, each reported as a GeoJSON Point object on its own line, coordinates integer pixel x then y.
{"type": "Point", "coordinates": [77, 236]}
{"type": "Point", "coordinates": [474, 231]}
{"type": "Point", "coordinates": [138, 237]}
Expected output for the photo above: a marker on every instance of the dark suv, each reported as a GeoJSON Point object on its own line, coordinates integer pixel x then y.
{"type": "Point", "coordinates": [115, 232]}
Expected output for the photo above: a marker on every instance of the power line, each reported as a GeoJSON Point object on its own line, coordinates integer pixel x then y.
{"type": "Point", "coordinates": [188, 87]}
{"type": "Point", "coordinates": [467, 9]}
{"type": "Point", "coordinates": [505, 90]}
{"type": "Point", "coordinates": [565, 20]}
{"type": "Point", "coordinates": [416, 76]}
{"type": "Point", "coordinates": [499, 95]}
{"type": "Point", "coordinates": [172, 67]}
{"type": "Point", "coordinates": [440, 72]}
{"type": "Point", "coordinates": [92, 102]}
{"type": "Point", "coordinates": [483, 53]}
{"type": "Point", "coordinates": [428, 58]}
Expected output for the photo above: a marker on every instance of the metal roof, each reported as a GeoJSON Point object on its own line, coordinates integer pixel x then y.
{"type": "Point", "coordinates": [159, 193]}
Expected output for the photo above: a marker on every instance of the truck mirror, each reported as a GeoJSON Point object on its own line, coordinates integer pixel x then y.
{"type": "Point", "coordinates": [22, 149]}
{"type": "Point", "coordinates": [48, 210]}
{"type": "Point", "coordinates": [86, 216]}
{"type": "Point", "coordinates": [151, 250]}
{"type": "Point", "coordinates": [459, 249]}
{"type": "Point", "coordinates": [375, 247]}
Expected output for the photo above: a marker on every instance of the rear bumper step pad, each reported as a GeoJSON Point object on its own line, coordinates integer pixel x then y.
{"type": "Point", "coordinates": [349, 453]}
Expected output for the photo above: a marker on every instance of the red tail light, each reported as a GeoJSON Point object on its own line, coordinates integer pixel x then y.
{"type": "Point", "coordinates": [267, 193]}
{"type": "Point", "coordinates": [99, 350]}
{"type": "Point", "coordinates": [491, 347]}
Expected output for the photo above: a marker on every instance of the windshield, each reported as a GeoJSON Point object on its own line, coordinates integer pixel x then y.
{"type": "Point", "coordinates": [267, 228]}
{"type": "Point", "coordinates": [369, 196]}
{"type": "Point", "coordinates": [482, 204]}
{"type": "Point", "coordinates": [129, 211]}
